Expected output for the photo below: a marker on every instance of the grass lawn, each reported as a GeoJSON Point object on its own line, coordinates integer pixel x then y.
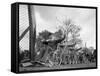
{"type": "Point", "coordinates": [68, 66]}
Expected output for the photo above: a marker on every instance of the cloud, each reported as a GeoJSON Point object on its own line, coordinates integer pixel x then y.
{"type": "Point", "coordinates": [42, 24]}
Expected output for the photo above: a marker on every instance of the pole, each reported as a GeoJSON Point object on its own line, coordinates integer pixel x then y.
{"type": "Point", "coordinates": [32, 25]}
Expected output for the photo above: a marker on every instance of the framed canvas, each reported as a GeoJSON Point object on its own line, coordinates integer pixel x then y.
{"type": "Point", "coordinates": [52, 37]}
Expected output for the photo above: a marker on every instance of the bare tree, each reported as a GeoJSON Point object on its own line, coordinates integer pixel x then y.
{"type": "Point", "coordinates": [67, 27]}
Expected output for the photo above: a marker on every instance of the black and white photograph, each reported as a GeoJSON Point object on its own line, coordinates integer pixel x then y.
{"type": "Point", "coordinates": [56, 37]}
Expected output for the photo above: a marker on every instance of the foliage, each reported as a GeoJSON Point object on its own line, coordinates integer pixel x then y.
{"type": "Point", "coordinates": [45, 34]}
{"type": "Point", "coordinates": [58, 34]}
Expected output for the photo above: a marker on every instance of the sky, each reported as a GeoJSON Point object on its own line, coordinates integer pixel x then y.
{"type": "Point", "coordinates": [49, 18]}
